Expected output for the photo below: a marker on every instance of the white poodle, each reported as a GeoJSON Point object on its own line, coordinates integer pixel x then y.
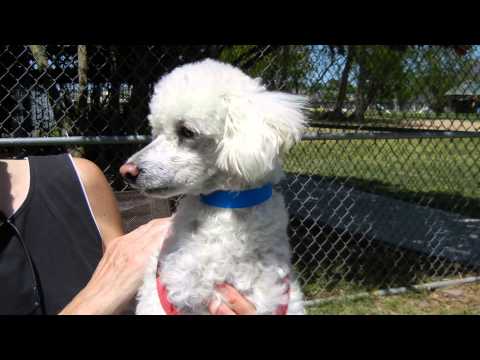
{"type": "Point", "coordinates": [219, 137]}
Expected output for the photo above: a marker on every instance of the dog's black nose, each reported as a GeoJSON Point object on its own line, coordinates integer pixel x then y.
{"type": "Point", "coordinates": [130, 172]}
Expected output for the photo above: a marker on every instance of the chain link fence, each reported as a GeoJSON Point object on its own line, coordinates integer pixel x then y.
{"type": "Point", "coordinates": [383, 192]}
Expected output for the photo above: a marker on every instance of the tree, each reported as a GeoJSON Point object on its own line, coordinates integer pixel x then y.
{"type": "Point", "coordinates": [393, 75]}
{"type": "Point", "coordinates": [437, 70]}
{"type": "Point", "coordinates": [380, 75]}
{"type": "Point", "coordinates": [280, 67]}
{"type": "Point", "coordinates": [343, 85]}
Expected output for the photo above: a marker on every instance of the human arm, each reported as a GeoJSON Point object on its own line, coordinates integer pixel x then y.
{"type": "Point", "coordinates": [120, 272]}
{"type": "Point", "coordinates": [101, 199]}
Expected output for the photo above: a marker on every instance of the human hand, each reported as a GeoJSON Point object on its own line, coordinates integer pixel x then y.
{"type": "Point", "coordinates": [234, 304]}
{"type": "Point", "coordinates": [120, 272]}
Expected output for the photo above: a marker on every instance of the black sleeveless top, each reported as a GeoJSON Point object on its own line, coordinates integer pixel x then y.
{"type": "Point", "coordinates": [50, 247]}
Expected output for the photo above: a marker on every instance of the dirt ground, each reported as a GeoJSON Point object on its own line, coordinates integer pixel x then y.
{"type": "Point", "coordinates": [445, 125]}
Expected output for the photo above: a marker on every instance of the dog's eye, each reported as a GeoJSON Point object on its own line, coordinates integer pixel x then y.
{"type": "Point", "coordinates": [185, 133]}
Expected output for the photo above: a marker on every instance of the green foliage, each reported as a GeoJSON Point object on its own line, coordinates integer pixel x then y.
{"type": "Point", "coordinates": [280, 67]}
{"type": "Point", "coordinates": [438, 70]}
{"type": "Point", "coordinates": [398, 77]}
{"type": "Point", "coordinates": [329, 91]}
{"type": "Point", "coordinates": [382, 68]}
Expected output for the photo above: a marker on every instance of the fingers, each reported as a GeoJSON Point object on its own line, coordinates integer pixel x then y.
{"type": "Point", "coordinates": [219, 308]}
{"type": "Point", "coordinates": [155, 230]}
{"type": "Point", "coordinates": [139, 231]}
{"type": "Point", "coordinates": [234, 302]}
{"type": "Point", "coordinates": [160, 230]}
{"type": "Point", "coordinates": [161, 221]}
{"type": "Point", "coordinates": [155, 223]}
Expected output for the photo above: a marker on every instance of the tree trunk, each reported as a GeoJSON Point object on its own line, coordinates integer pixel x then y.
{"type": "Point", "coordinates": [360, 94]}
{"type": "Point", "coordinates": [82, 89]}
{"type": "Point", "coordinates": [285, 55]}
{"type": "Point", "coordinates": [342, 90]}
{"type": "Point", "coordinates": [68, 106]}
{"type": "Point", "coordinates": [39, 53]}
{"type": "Point", "coordinates": [114, 99]}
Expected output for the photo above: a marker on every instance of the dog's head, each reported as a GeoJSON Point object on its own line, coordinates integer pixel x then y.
{"type": "Point", "coordinates": [214, 127]}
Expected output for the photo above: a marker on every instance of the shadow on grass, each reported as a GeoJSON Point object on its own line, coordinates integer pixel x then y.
{"type": "Point", "coordinates": [332, 261]}
{"type": "Point", "coordinates": [453, 202]}
{"type": "Point", "coordinates": [332, 264]}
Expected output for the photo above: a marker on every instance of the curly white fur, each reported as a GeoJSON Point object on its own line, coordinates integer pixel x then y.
{"type": "Point", "coordinates": [239, 132]}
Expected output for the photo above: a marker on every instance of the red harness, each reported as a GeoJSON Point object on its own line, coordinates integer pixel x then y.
{"type": "Point", "coordinates": [167, 306]}
{"type": "Point", "coordinates": [170, 309]}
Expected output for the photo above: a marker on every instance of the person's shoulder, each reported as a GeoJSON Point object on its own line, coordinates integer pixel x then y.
{"type": "Point", "coordinates": [101, 198]}
{"type": "Point", "coordinates": [89, 172]}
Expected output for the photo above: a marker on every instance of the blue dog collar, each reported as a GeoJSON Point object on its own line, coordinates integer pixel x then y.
{"type": "Point", "coordinates": [238, 199]}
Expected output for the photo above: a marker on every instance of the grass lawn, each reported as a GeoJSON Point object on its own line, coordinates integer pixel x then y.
{"type": "Point", "coordinates": [459, 300]}
{"type": "Point", "coordinates": [441, 173]}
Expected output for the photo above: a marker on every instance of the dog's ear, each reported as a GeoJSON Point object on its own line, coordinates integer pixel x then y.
{"type": "Point", "coordinates": [259, 129]}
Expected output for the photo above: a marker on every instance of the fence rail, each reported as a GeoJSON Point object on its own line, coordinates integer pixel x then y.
{"type": "Point", "coordinates": [383, 192]}
{"type": "Point", "coordinates": [144, 139]}
{"type": "Point", "coordinates": [75, 140]}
